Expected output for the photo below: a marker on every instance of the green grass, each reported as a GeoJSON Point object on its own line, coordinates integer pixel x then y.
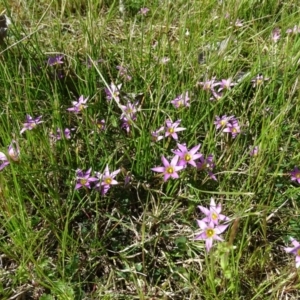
{"type": "Point", "coordinates": [137, 241]}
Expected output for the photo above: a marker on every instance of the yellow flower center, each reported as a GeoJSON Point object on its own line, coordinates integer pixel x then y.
{"type": "Point", "coordinates": [297, 175]}
{"type": "Point", "coordinates": [171, 130]}
{"type": "Point", "coordinates": [179, 103]}
{"type": "Point", "coordinates": [223, 122]}
{"type": "Point", "coordinates": [32, 125]}
{"type": "Point", "coordinates": [108, 181]}
{"type": "Point", "coordinates": [298, 252]}
{"type": "Point", "coordinates": [259, 81]}
{"type": "Point", "coordinates": [234, 130]}
{"type": "Point", "coordinates": [170, 170]}
{"type": "Point", "coordinates": [214, 216]}
{"type": "Point", "coordinates": [187, 157]}
{"type": "Point", "coordinates": [210, 232]}
{"type": "Point", "coordinates": [83, 181]}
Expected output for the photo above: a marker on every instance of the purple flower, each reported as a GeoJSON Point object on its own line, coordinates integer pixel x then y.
{"type": "Point", "coordinates": [155, 134]}
{"type": "Point", "coordinates": [113, 92]}
{"type": "Point", "coordinates": [187, 156]}
{"type": "Point", "coordinates": [144, 11]}
{"type": "Point", "coordinates": [13, 153]}
{"type": "Point", "coordinates": [55, 60]}
{"type": "Point", "coordinates": [84, 179]}
{"type": "Point", "coordinates": [181, 100]}
{"type": "Point", "coordinates": [171, 129]}
{"type": "Point", "coordinates": [293, 30]}
{"type": "Point", "coordinates": [208, 165]}
{"type": "Point", "coordinates": [101, 124]}
{"type": "Point", "coordinates": [223, 121]}
{"type": "Point", "coordinates": [294, 250]}
{"type": "Point", "coordinates": [258, 80]}
{"type": "Point", "coordinates": [295, 175]}
{"type": "Point", "coordinates": [213, 214]}
{"type": "Point", "coordinates": [209, 233]}
{"type": "Point", "coordinates": [123, 72]}
{"type": "Point", "coordinates": [31, 123]}
{"type": "Point", "coordinates": [127, 122]}
{"type": "Point", "coordinates": [208, 84]}
{"type": "Point", "coordinates": [169, 169]}
{"type": "Point", "coordinates": [233, 128]}
{"type": "Point", "coordinates": [79, 105]}
{"type": "Point", "coordinates": [224, 84]}
{"type": "Point", "coordinates": [215, 95]}
{"type": "Point", "coordinates": [59, 134]}
{"type": "Point", "coordinates": [107, 180]}
{"type": "Point", "coordinates": [275, 35]}
{"type": "Point", "coordinates": [254, 151]}
{"type": "Point", "coordinates": [89, 62]}
{"type": "Point", "coordinates": [129, 110]}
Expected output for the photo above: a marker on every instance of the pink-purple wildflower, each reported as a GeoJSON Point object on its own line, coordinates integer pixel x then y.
{"type": "Point", "coordinates": [223, 121]}
{"type": "Point", "coordinates": [259, 80]}
{"type": "Point", "coordinates": [155, 135]}
{"type": "Point", "coordinates": [187, 156]}
{"type": "Point", "coordinates": [295, 175]}
{"type": "Point", "coordinates": [31, 123]}
{"type": "Point", "coordinates": [169, 169]}
{"type": "Point", "coordinates": [181, 100]}
{"type": "Point", "coordinates": [208, 84]}
{"type": "Point", "coordinates": [79, 106]}
{"type": "Point", "coordinates": [123, 72]}
{"type": "Point", "coordinates": [13, 154]}
{"type": "Point", "coordinates": [275, 36]}
{"type": "Point", "coordinates": [294, 250]}
{"type": "Point", "coordinates": [213, 214]}
{"type": "Point", "coordinates": [113, 92]}
{"type": "Point", "coordinates": [55, 60]}
{"type": "Point", "coordinates": [210, 232]}
{"type": "Point", "coordinates": [60, 134]}
{"type": "Point", "coordinates": [84, 179]}
{"type": "Point", "coordinates": [171, 129]}
{"type": "Point", "coordinates": [144, 11]}
{"type": "Point", "coordinates": [107, 179]}
{"type": "Point", "coordinates": [254, 151]}
{"type": "Point", "coordinates": [208, 165]}
{"type": "Point", "coordinates": [233, 128]}
{"type": "Point", "coordinates": [224, 84]}
{"type": "Point", "coordinates": [294, 30]}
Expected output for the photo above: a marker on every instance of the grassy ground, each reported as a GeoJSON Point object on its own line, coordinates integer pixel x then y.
{"type": "Point", "coordinates": [138, 240]}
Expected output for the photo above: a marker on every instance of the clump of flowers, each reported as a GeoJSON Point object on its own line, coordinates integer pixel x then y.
{"type": "Point", "coordinates": [295, 175]}
{"type": "Point", "coordinates": [13, 154]}
{"type": "Point", "coordinates": [294, 250]}
{"type": "Point", "coordinates": [66, 133]}
{"type": "Point", "coordinates": [228, 124]}
{"type": "Point", "coordinates": [144, 11]}
{"type": "Point", "coordinates": [79, 106]}
{"type": "Point", "coordinates": [169, 169]}
{"type": "Point", "coordinates": [31, 123]}
{"type": "Point", "coordinates": [181, 100]}
{"type": "Point", "coordinates": [210, 225]}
